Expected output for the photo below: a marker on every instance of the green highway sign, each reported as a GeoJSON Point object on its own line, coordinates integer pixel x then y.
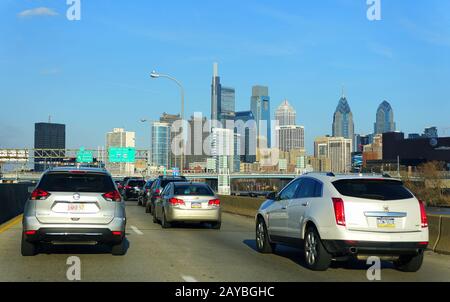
{"type": "Point", "coordinates": [84, 156]}
{"type": "Point", "coordinates": [122, 155]}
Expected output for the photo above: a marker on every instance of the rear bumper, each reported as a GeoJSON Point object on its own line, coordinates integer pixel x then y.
{"type": "Point", "coordinates": [347, 247]}
{"type": "Point", "coordinates": [51, 235]}
{"type": "Point", "coordinates": [174, 214]}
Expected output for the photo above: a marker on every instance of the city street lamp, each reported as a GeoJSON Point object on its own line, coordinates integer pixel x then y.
{"type": "Point", "coordinates": [156, 75]}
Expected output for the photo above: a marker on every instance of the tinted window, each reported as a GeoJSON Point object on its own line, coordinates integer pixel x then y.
{"type": "Point", "coordinates": [307, 188]}
{"type": "Point", "coordinates": [289, 191]}
{"type": "Point", "coordinates": [67, 182]}
{"type": "Point", "coordinates": [149, 184]}
{"type": "Point", "coordinates": [372, 189]}
{"type": "Point", "coordinates": [136, 183]}
{"type": "Point", "coordinates": [193, 190]}
{"type": "Point", "coordinates": [164, 182]}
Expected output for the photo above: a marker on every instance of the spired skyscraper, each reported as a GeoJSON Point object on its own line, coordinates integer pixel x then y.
{"type": "Point", "coordinates": [385, 119]}
{"type": "Point", "coordinates": [343, 120]}
{"type": "Point", "coordinates": [222, 99]}
{"type": "Point", "coordinates": [216, 94]}
{"type": "Point", "coordinates": [285, 114]}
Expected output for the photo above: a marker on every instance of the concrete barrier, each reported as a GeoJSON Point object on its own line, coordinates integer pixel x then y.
{"type": "Point", "coordinates": [12, 199]}
{"type": "Point", "coordinates": [439, 225]}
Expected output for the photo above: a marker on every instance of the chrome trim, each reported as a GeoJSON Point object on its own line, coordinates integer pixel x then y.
{"type": "Point", "coordinates": [385, 214]}
{"type": "Point", "coordinates": [76, 234]}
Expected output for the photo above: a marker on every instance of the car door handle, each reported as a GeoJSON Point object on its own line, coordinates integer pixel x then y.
{"type": "Point", "coordinates": [284, 208]}
{"type": "Point", "coordinates": [305, 204]}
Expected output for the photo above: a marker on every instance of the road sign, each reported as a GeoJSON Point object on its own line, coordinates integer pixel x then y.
{"type": "Point", "coordinates": [122, 155]}
{"type": "Point", "coordinates": [84, 156]}
{"type": "Point", "coordinates": [175, 171]}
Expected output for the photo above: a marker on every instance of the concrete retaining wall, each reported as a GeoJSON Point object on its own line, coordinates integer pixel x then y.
{"type": "Point", "coordinates": [439, 225]}
{"type": "Point", "coordinates": [12, 199]}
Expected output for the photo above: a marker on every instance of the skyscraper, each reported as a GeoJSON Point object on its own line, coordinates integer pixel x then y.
{"type": "Point", "coordinates": [260, 107]}
{"type": "Point", "coordinates": [247, 141]}
{"type": "Point", "coordinates": [197, 138]}
{"type": "Point", "coordinates": [385, 119]}
{"type": "Point", "coordinates": [216, 88]}
{"type": "Point", "coordinates": [161, 146]}
{"type": "Point", "coordinates": [49, 136]}
{"type": "Point", "coordinates": [290, 137]}
{"type": "Point", "coordinates": [285, 114]}
{"type": "Point", "coordinates": [337, 149]}
{"type": "Point", "coordinates": [222, 149]}
{"type": "Point", "coordinates": [174, 132]}
{"type": "Point", "coordinates": [227, 105]}
{"type": "Point", "coordinates": [343, 120]}
{"type": "Point", "coordinates": [119, 138]}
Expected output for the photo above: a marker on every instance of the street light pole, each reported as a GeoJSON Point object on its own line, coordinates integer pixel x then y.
{"type": "Point", "coordinates": [156, 75]}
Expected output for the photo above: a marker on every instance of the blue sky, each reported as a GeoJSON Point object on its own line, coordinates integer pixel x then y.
{"type": "Point", "coordinates": [92, 74]}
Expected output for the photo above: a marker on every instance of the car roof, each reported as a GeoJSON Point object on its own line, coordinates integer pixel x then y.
{"type": "Point", "coordinates": [331, 177]}
{"type": "Point", "coordinates": [181, 183]}
{"type": "Point", "coordinates": [81, 169]}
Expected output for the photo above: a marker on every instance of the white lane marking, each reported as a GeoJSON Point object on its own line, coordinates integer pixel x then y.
{"type": "Point", "coordinates": [189, 279]}
{"type": "Point", "coordinates": [136, 230]}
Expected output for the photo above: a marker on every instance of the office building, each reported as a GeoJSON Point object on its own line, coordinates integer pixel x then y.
{"type": "Point", "coordinates": [430, 132]}
{"type": "Point", "coordinates": [290, 137]}
{"type": "Point", "coordinates": [222, 149]}
{"type": "Point", "coordinates": [175, 130]}
{"type": "Point", "coordinates": [215, 93]}
{"type": "Point", "coordinates": [227, 105]}
{"type": "Point", "coordinates": [343, 120]}
{"type": "Point", "coordinates": [49, 136]}
{"type": "Point", "coordinates": [337, 149]}
{"type": "Point", "coordinates": [197, 144]}
{"type": "Point", "coordinates": [384, 119]}
{"type": "Point", "coordinates": [285, 114]}
{"type": "Point", "coordinates": [246, 126]}
{"type": "Point", "coordinates": [119, 138]}
{"type": "Point", "coordinates": [260, 107]}
{"type": "Point", "coordinates": [161, 145]}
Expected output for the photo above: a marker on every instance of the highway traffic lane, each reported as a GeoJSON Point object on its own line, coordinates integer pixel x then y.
{"type": "Point", "coordinates": [189, 253]}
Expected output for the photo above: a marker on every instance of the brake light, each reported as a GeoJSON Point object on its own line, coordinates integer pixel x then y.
{"type": "Point", "coordinates": [157, 191]}
{"type": "Point", "coordinates": [339, 211]}
{"type": "Point", "coordinates": [214, 202]}
{"type": "Point", "coordinates": [127, 187]}
{"type": "Point", "coordinates": [77, 172]}
{"type": "Point", "coordinates": [176, 202]}
{"type": "Point", "coordinates": [117, 233]}
{"type": "Point", "coordinates": [112, 196]}
{"type": "Point", "coordinates": [30, 233]}
{"type": "Point", "coordinates": [423, 215]}
{"type": "Point", "coordinates": [39, 194]}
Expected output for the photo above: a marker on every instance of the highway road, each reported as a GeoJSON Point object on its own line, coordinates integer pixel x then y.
{"type": "Point", "coordinates": [189, 253]}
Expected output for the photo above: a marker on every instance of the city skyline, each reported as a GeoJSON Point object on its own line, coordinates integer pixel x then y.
{"type": "Point", "coordinates": [370, 63]}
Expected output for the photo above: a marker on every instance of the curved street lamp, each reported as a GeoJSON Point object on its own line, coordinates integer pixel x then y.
{"type": "Point", "coordinates": [156, 75]}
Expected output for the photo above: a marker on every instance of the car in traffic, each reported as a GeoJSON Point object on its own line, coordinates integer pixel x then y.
{"type": "Point", "coordinates": [74, 205]}
{"type": "Point", "coordinates": [145, 193]}
{"type": "Point", "coordinates": [158, 185]}
{"type": "Point", "coordinates": [119, 185]}
{"type": "Point", "coordinates": [187, 202]}
{"type": "Point", "coordinates": [340, 217]}
{"type": "Point", "coordinates": [132, 188]}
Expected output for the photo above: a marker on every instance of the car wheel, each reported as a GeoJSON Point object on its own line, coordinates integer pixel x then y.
{"type": "Point", "coordinates": [216, 225]}
{"type": "Point", "coordinates": [263, 244]}
{"type": "Point", "coordinates": [28, 248]}
{"type": "Point", "coordinates": [316, 256]}
{"type": "Point", "coordinates": [409, 263]}
{"type": "Point", "coordinates": [164, 223]}
{"type": "Point", "coordinates": [148, 208]}
{"type": "Point", "coordinates": [139, 201]}
{"type": "Point", "coordinates": [119, 249]}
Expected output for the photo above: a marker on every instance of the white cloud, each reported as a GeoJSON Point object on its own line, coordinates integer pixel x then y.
{"type": "Point", "coordinates": [39, 11]}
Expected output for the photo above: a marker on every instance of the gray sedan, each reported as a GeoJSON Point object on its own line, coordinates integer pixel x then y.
{"type": "Point", "coordinates": [187, 202]}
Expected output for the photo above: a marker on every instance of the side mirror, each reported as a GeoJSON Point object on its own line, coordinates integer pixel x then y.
{"type": "Point", "coordinates": [272, 196]}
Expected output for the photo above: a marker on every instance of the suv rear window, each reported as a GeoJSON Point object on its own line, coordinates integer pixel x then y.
{"type": "Point", "coordinates": [68, 182]}
{"type": "Point", "coordinates": [136, 183]}
{"type": "Point", "coordinates": [193, 190]}
{"type": "Point", "coordinates": [381, 189]}
{"type": "Point", "coordinates": [164, 182]}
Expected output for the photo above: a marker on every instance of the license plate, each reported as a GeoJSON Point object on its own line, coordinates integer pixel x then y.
{"type": "Point", "coordinates": [385, 222]}
{"type": "Point", "coordinates": [196, 205]}
{"type": "Point", "coordinates": [76, 207]}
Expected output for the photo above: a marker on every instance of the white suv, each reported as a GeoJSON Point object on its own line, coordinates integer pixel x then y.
{"type": "Point", "coordinates": [339, 217]}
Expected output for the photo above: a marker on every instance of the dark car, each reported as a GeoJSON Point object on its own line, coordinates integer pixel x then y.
{"type": "Point", "coordinates": [145, 193]}
{"type": "Point", "coordinates": [158, 185]}
{"type": "Point", "coordinates": [119, 185]}
{"type": "Point", "coordinates": [132, 188]}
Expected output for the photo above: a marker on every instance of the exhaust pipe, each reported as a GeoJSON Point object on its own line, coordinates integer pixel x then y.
{"type": "Point", "coordinates": [353, 250]}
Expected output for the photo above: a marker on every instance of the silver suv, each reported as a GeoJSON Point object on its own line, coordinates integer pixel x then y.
{"type": "Point", "coordinates": [74, 206]}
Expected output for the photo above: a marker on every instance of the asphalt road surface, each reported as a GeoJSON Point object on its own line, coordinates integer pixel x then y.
{"type": "Point", "coordinates": [189, 253]}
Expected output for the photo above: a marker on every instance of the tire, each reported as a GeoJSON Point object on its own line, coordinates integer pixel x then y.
{"type": "Point", "coordinates": [263, 244]}
{"type": "Point", "coordinates": [316, 256]}
{"type": "Point", "coordinates": [155, 219]}
{"type": "Point", "coordinates": [119, 249]}
{"type": "Point", "coordinates": [28, 248]}
{"type": "Point", "coordinates": [148, 208]}
{"type": "Point", "coordinates": [216, 225]}
{"type": "Point", "coordinates": [164, 223]}
{"type": "Point", "coordinates": [139, 201]}
{"type": "Point", "coordinates": [409, 264]}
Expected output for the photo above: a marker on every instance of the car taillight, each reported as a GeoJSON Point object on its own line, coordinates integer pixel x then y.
{"type": "Point", "coordinates": [30, 233]}
{"type": "Point", "coordinates": [39, 194]}
{"type": "Point", "coordinates": [339, 211]}
{"type": "Point", "coordinates": [214, 202]}
{"type": "Point", "coordinates": [112, 196]}
{"type": "Point", "coordinates": [157, 191]}
{"type": "Point", "coordinates": [423, 215]}
{"type": "Point", "coordinates": [176, 202]}
{"type": "Point", "coordinates": [117, 233]}
{"type": "Point", "coordinates": [127, 187]}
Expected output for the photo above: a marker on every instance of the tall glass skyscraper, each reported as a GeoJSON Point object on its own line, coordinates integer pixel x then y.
{"type": "Point", "coordinates": [260, 106]}
{"type": "Point", "coordinates": [227, 104]}
{"type": "Point", "coordinates": [161, 147]}
{"type": "Point", "coordinates": [247, 139]}
{"type": "Point", "coordinates": [343, 120]}
{"type": "Point", "coordinates": [215, 94]}
{"type": "Point", "coordinates": [385, 119]}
